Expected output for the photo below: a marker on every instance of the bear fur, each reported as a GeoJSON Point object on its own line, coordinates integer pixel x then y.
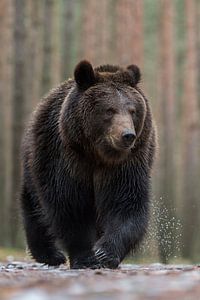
{"type": "Point", "coordinates": [87, 156]}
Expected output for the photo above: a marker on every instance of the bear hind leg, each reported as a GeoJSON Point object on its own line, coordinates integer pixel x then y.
{"type": "Point", "coordinates": [41, 242]}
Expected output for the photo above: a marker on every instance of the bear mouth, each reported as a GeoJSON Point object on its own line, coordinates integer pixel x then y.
{"type": "Point", "coordinates": [119, 145]}
{"type": "Point", "coordinates": [122, 147]}
{"type": "Point", "coordinates": [112, 152]}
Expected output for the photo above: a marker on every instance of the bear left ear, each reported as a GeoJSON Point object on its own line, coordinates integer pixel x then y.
{"type": "Point", "coordinates": [84, 74]}
{"type": "Point", "coordinates": [135, 73]}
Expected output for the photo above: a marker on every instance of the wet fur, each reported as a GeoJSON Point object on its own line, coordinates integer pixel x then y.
{"type": "Point", "coordinates": [93, 206]}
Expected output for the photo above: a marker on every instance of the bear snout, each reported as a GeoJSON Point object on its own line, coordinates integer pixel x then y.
{"type": "Point", "coordinates": [128, 137]}
{"type": "Point", "coordinates": [122, 132]}
{"type": "Point", "coordinates": [124, 141]}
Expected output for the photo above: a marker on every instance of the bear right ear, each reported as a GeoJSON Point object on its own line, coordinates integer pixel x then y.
{"type": "Point", "coordinates": [84, 74]}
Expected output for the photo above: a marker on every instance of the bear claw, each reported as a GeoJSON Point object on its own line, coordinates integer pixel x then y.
{"type": "Point", "coordinates": [106, 260]}
{"type": "Point", "coordinates": [99, 260]}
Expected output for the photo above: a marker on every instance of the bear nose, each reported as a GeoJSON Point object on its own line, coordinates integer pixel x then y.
{"type": "Point", "coordinates": [128, 137]}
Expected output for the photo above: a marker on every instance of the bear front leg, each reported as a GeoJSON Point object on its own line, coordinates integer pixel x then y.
{"type": "Point", "coordinates": [122, 200]}
{"type": "Point", "coordinates": [79, 247]}
{"type": "Point", "coordinates": [120, 237]}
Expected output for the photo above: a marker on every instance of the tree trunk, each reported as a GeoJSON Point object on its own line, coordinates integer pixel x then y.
{"type": "Point", "coordinates": [46, 76]}
{"type": "Point", "coordinates": [6, 85]}
{"type": "Point", "coordinates": [130, 46]}
{"type": "Point", "coordinates": [191, 136]}
{"type": "Point", "coordinates": [68, 36]}
{"type": "Point", "coordinates": [56, 64]}
{"type": "Point", "coordinates": [167, 129]}
{"type": "Point", "coordinates": [34, 54]}
{"type": "Point", "coordinates": [123, 20]}
{"type": "Point", "coordinates": [137, 36]}
{"type": "Point", "coordinates": [102, 32]}
{"type": "Point", "coordinates": [17, 117]}
{"type": "Point", "coordinates": [89, 34]}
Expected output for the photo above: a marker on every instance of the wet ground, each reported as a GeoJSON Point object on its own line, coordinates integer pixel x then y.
{"type": "Point", "coordinates": [28, 281]}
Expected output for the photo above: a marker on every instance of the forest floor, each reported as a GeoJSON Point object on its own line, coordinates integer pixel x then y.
{"type": "Point", "coordinates": [32, 281]}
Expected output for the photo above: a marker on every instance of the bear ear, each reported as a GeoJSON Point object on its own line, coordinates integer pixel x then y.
{"type": "Point", "coordinates": [135, 73]}
{"type": "Point", "coordinates": [84, 74]}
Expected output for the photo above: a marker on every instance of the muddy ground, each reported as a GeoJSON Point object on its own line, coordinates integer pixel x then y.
{"type": "Point", "coordinates": [31, 281]}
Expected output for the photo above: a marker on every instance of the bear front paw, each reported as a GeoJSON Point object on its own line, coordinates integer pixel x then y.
{"type": "Point", "coordinates": [53, 259]}
{"type": "Point", "coordinates": [98, 259]}
{"type": "Point", "coordinates": [89, 262]}
{"type": "Point", "coordinates": [106, 260]}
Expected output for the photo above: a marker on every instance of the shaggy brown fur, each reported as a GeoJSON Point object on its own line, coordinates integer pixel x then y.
{"type": "Point", "coordinates": [87, 157]}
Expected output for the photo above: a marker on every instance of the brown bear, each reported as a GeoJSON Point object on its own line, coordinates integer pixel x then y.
{"type": "Point", "coordinates": [87, 158]}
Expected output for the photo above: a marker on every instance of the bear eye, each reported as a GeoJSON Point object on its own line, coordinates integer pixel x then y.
{"type": "Point", "coordinates": [110, 112]}
{"type": "Point", "coordinates": [132, 112]}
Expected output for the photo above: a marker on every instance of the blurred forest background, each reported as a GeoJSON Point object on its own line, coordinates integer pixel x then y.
{"type": "Point", "coordinates": [42, 41]}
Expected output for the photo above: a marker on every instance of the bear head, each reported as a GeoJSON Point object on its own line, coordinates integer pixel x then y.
{"type": "Point", "coordinates": [104, 112]}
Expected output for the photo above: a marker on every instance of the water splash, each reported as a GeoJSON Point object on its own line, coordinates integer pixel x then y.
{"type": "Point", "coordinates": [164, 233]}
